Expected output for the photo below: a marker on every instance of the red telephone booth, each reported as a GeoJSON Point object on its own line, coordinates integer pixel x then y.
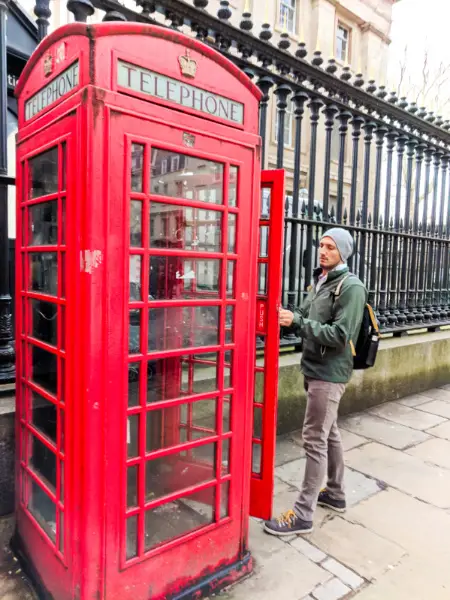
{"type": "Point", "coordinates": [142, 261]}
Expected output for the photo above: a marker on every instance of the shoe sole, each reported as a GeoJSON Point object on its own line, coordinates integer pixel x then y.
{"type": "Point", "coordinates": [283, 534]}
{"type": "Point", "coordinates": [335, 508]}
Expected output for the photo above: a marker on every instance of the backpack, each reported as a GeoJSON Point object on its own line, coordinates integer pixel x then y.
{"type": "Point", "coordinates": [366, 349]}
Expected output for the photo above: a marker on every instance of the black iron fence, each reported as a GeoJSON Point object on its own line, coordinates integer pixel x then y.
{"type": "Point", "coordinates": [356, 155]}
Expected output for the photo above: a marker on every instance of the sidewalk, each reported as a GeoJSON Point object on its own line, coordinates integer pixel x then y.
{"type": "Point", "coordinates": [393, 543]}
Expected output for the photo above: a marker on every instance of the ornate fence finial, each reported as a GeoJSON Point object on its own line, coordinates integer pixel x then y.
{"type": "Point", "coordinates": [331, 67]}
{"type": "Point", "coordinates": [266, 34]}
{"type": "Point", "coordinates": [82, 9]}
{"type": "Point", "coordinates": [246, 23]}
{"type": "Point", "coordinates": [43, 14]}
{"type": "Point", "coordinates": [301, 50]}
{"type": "Point", "coordinates": [201, 4]}
{"type": "Point", "coordinates": [317, 60]}
{"type": "Point", "coordinates": [114, 15]}
{"type": "Point", "coordinates": [224, 11]}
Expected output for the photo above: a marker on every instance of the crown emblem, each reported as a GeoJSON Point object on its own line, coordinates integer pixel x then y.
{"type": "Point", "coordinates": [188, 65]}
{"type": "Point", "coordinates": [48, 65]}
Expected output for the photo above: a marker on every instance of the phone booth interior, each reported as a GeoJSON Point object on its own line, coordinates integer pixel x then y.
{"type": "Point", "coordinates": [145, 271]}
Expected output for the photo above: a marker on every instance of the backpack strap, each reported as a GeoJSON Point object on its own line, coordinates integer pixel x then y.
{"type": "Point", "coordinates": [337, 291]}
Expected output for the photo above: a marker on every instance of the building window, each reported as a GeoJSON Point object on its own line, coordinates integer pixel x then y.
{"type": "Point", "coordinates": [342, 43]}
{"type": "Point", "coordinates": [175, 163]}
{"type": "Point", "coordinates": [164, 166]}
{"type": "Point", "coordinates": [287, 15]}
{"type": "Point", "coordinates": [288, 125]}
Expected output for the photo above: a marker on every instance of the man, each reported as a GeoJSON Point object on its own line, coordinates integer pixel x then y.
{"type": "Point", "coordinates": [329, 323]}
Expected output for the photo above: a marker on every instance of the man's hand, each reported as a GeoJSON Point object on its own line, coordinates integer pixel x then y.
{"type": "Point", "coordinates": [286, 317]}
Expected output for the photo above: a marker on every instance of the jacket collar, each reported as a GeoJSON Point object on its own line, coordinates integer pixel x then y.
{"type": "Point", "coordinates": [332, 275]}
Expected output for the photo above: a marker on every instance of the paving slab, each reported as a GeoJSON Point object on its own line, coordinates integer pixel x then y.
{"type": "Point", "coordinates": [332, 590]}
{"type": "Point", "coordinates": [437, 394]}
{"type": "Point", "coordinates": [413, 525]}
{"type": "Point", "coordinates": [347, 576]}
{"type": "Point", "coordinates": [436, 407]}
{"type": "Point", "coordinates": [287, 450]}
{"type": "Point", "coordinates": [285, 575]}
{"type": "Point", "coordinates": [357, 486]}
{"type": "Point", "coordinates": [410, 417]}
{"type": "Point", "coordinates": [435, 451]}
{"type": "Point", "coordinates": [365, 552]}
{"type": "Point", "coordinates": [404, 472]}
{"type": "Point", "coordinates": [414, 400]}
{"type": "Point", "coordinates": [383, 431]}
{"type": "Point", "coordinates": [442, 431]}
{"type": "Point", "coordinates": [413, 579]}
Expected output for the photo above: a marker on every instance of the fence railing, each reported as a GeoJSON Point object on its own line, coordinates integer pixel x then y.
{"type": "Point", "coordinates": [361, 158]}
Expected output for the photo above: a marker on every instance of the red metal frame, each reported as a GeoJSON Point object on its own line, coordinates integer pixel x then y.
{"type": "Point", "coordinates": [99, 123]}
{"type": "Point", "coordinates": [266, 366]}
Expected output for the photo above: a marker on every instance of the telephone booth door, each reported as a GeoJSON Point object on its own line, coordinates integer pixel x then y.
{"type": "Point", "coordinates": [268, 301]}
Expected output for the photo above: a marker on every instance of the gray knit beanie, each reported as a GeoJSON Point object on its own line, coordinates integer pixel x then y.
{"type": "Point", "coordinates": [342, 239]}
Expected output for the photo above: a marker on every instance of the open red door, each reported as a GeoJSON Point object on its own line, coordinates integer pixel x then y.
{"type": "Point", "coordinates": [267, 342]}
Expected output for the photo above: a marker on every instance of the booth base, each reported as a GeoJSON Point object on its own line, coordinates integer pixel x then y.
{"type": "Point", "coordinates": [207, 586]}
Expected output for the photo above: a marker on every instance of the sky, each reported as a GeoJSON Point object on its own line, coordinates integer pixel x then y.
{"type": "Point", "coordinates": [421, 25]}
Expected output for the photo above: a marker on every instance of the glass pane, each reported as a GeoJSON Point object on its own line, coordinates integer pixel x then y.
{"type": "Point", "coordinates": [230, 278]}
{"type": "Point", "coordinates": [132, 525]}
{"type": "Point", "coordinates": [44, 416]}
{"type": "Point", "coordinates": [173, 519]}
{"type": "Point", "coordinates": [178, 376]}
{"type": "Point", "coordinates": [134, 370]}
{"type": "Point", "coordinates": [226, 414]}
{"type": "Point", "coordinates": [43, 509]}
{"type": "Point", "coordinates": [133, 436]}
{"type": "Point", "coordinates": [62, 424]}
{"type": "Point", "coordinates": [43, 223]}
{"type": "Point", "coordinates": [183, 227]}
{"type": "Point", "coordinates": [232, 233]}
{"type": "Point", "coordinates": [61, 483]}
{"type": "Point", "coordinates": [173, 277]}
{"type": "Point", "coordinates": [61, 532]}
{"type": "Point", "coordinates": [64, 165]}
{"type": "Point", "coordinates": [188, 327]}
{"type": "Point", "coordinates": [232, 187]}
{"type": "Point", "coordinates": [63, 327]}
{"type": "Point", "coordinates": [44, 272]}
{"type": "Point", "coordinates": [132, 486]}
{"type": "Point", "coordinates": [226, 456]}
{"type": "Point", "coordinates": [44, 370]}
{"type": "Point", "coordinates": [182, 176]}
{"type": "Point", "coordinates": [228, 369]}
{"type": "Point", "coordinates": [137, 160]}
{"type": "Point", "coordinates": [63, 274]}
{"type": "Point", "coordinates": [256, 468]}
{"type": "Point", "coordinates": [134, 341]}
{"type": "Point", "coordinates": [136, 223]}
{"type": "Point", "coordinates": [259, 387]}
{"type": "Point", "coordinates": [63, 221]}
{"type": "Point", "coordinates": [225, 500]}
{"type": "Point", "coordinates": [229, 325]}
{"type": "Point", "coordinates": [135, 278]}
{"type": "Point", "coordinates": [43, 462]}
{"type": "Point", "coordinates": [264, 241]}
{"type": "Point", "coordinates": [266, 194]}
{"type": "Point", "coordinates": [262, 279]}
{"type": "Point", "coordinates": [43, 172]}
{"type": "Point", "coordinates": [176, 424]}
{"type": "Point", "coordinates": [257, 422]}
{"type": "Point", "coordinates": [44, 321]}
{"type": "Point", "coordinates": [175, 472]}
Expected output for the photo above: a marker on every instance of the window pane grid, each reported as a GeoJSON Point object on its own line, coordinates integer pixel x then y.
{"type": "Point", "coordinates": [43, 335]}
{"type": "Point", "coordinates": [185, 334]}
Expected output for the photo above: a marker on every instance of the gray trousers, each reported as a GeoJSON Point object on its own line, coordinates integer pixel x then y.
{"type": "Point", "coordinates": [323, 446]}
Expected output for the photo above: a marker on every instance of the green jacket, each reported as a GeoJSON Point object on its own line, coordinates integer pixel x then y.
{"type": "Point", "coordinates": [328, 325]}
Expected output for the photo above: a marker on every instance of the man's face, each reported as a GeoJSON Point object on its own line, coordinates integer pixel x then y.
{"type": "Point", "coordinates": [329, 254]}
